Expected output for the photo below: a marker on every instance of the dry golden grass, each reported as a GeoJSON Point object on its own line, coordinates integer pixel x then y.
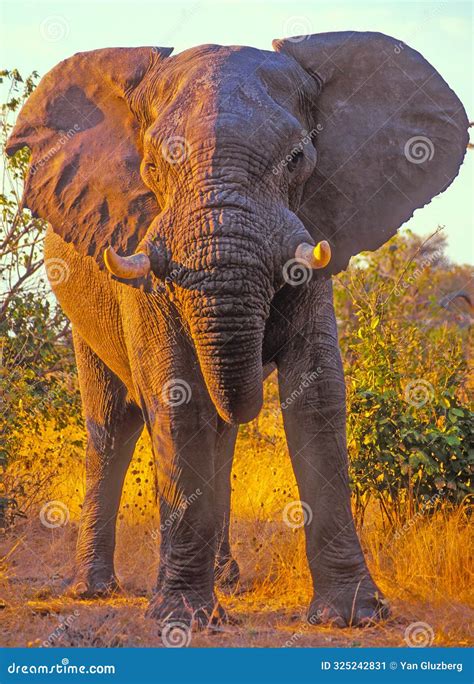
{"type": "Point", "coordinates": [426, 573]}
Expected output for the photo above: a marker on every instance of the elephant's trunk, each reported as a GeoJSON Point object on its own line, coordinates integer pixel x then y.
{"type": "Point", "coordinates": [230, 356]}
{"type": "Point", "coordinates": [227, 323]}
{"type": "Point", "coordinates": [225, 288]}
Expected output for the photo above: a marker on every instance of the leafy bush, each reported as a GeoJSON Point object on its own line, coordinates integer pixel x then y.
{"type": "Point", "coordinates": [410, 430]}
{"type": "Point", "coordinates": [37, 372]}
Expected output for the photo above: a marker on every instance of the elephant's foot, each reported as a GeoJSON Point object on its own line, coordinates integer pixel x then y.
{"type": "Point", "coordinates": [226, 574]}
{"type": "Point", "coordinates": [355, 604]}
{"type": "Point", "coordinates": [93, 585]}
{"type": "Point", "coordinates": [187, 609]}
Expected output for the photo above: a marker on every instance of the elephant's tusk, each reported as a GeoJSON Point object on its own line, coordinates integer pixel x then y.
{"type": "Point", "coordinates": [135, 266]}
{"type": "Point", "coordinates": [314, 257]}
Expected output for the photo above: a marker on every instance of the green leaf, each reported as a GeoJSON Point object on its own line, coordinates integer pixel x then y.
{"type": "Point", "coordinates": [374, 323]}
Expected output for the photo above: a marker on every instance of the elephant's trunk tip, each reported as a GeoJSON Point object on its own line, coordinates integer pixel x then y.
{"type": "Point", "coordinates": [317, 256]}
{"type": "Point", "coordinates": [241, 412]}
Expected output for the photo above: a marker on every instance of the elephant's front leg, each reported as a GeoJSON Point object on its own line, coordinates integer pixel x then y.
{"type": "Point", "coordinates": [184, 437]}
{"type": "Point", "coordinates": [312, 393]}
{"type": "Point", "coordinates": [113, 428]}
{"type": "Point", "coordinates": [226, 570]}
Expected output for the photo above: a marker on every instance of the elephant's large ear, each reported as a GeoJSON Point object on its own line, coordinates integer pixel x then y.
{"type": "Point", "coordinates": [390, 136]}
{"type": "Point", "coordinates": [84, 174]}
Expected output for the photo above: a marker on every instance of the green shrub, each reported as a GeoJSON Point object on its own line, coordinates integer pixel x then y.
{"type": "Point", "coordinates": [37, 372]}
{"type": "Point", "coordinates": [410, 429]}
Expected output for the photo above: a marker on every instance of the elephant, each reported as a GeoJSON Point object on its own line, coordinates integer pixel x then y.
{"type": "Point", "coordinates": [198, 206]}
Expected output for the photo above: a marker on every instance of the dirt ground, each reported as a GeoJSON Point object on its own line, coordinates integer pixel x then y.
{"type": "Point", "coordinates": [34, 609]}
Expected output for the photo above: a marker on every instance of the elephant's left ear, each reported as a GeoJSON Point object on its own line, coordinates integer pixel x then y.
{"type": "Point", "coordinates": [389, 132]}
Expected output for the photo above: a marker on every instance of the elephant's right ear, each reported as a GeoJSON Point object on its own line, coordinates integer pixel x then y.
{"type": "Point", "coordinates": [84, 174]}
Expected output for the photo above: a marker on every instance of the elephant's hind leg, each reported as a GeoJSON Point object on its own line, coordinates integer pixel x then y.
{"type": "Point", "coordinates": [113, 427]}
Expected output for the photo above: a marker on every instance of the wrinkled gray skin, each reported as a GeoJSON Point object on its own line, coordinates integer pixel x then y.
{"type": "Point", "coordinates": [220, 321]}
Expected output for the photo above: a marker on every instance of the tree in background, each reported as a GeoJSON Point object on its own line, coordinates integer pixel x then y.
{"type": "Point", "coordinates": [37, 375]}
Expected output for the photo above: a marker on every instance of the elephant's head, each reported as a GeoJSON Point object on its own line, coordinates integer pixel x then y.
{"type": "Point", "coordinates": [211, 170]}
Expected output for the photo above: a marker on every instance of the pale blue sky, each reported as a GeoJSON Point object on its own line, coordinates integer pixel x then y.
{"type": "Point", "coordinates": [37, 34]}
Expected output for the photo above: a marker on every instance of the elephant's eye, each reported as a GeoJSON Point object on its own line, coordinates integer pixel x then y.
{"type": "Point", "coordinates": [296, 158]}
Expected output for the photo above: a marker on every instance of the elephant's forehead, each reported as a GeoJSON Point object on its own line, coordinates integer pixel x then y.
{"type": "Point", "coordinates": [210, 66]}
{"type": "Point", "coordinates": [232, 76]}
